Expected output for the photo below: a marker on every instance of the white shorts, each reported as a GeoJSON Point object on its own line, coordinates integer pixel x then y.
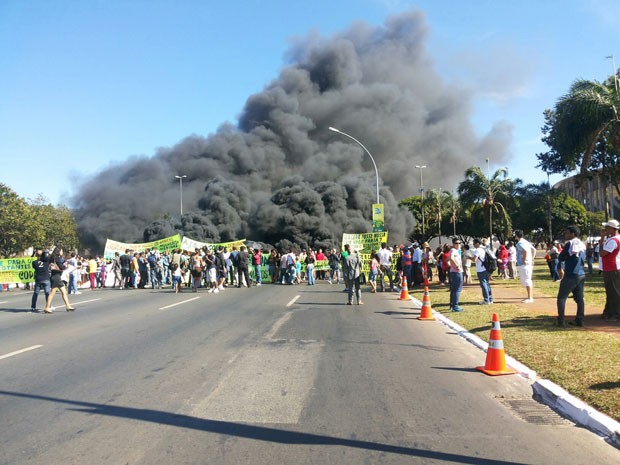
{"type": "Point", "coordinates": [525, 274]}
{"type": "Point", "coordinates": [212, 275]}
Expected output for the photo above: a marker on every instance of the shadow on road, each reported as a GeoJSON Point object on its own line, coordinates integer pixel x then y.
{"type": "Point", "coordinates": [258, 433]}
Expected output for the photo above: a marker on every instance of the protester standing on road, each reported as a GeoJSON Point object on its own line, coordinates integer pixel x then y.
{"type": "Point", "coordinates": [243, 260]}
{"type": "Point", "coordinates": [611, 268]}
{"type": "Point", "coordinates": [526, 253]}
{"type": "Point", "coordinates": [385, 266]}
{"type": "Point", "coordinates": [573, 255]}
{"type": "Point", "coordinates": [456, 275]}
{"type": "Point", "coordinates": [41, 278]}
{"type": "Point", "coordinates": [352, 272]}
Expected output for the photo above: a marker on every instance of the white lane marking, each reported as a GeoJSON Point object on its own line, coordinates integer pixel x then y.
{"type": "Point", "coordinates": [276, 326]}
{"type": "Point", "coordinates": [17, 352]}
{"type": "Point", "coordinates": [178, 303]}
{"type": "Point", "coordinates": [86, 301]}
{"type": "Point", "coordinates": [4, 302]}
{"type": "Point", "coordinates": [293, 301]}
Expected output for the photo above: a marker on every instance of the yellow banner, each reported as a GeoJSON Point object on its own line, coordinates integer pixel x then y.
{"type": "Point", "coordinates": [16, 270]}
{"type": "Point", "coordinates": [378, 217]}
{"type": "Point", "coordinates": [366, 243]}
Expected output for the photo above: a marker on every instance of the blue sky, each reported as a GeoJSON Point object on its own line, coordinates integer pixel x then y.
{"type": "Point", "coordinates": [88, 83]}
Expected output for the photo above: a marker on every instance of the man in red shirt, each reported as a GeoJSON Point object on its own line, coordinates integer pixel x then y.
{"type": "Point", "coordinates": [611, 269]}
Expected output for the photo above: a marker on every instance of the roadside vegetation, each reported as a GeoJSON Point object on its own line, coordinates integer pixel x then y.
{"type": "Point", "coordinates": [584, 362]}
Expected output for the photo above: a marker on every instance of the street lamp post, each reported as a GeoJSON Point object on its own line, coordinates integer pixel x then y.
{"type": "Point", "coordinates": [613, 64]}
{"type": "Point", "coordinates": [362, 145]}
{"type": "Point", "coordinates": [421, 167]}
{"type": "Point", "coordinates": [180, 178]}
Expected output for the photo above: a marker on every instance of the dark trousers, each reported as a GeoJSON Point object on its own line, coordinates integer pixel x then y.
{"type": "Point", "coordinates": [612, 294]}
{"type": "Point", "coordinates": [575, 285]}
{"type": "Point", "coordinates": [243, 271]}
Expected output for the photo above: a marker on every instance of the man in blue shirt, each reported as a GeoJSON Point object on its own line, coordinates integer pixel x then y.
{"type": "Point", "coordinates": [573, 255]}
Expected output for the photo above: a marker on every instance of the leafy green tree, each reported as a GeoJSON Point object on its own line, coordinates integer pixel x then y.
{"type": "Point", "coordinates": [584, 121]}
{"type": "Point", "coordinates": [493, 195]}
{"type": "Point", "coordinates": [18, 226]}
{"type": "Point", "coordinates": [538, 203]}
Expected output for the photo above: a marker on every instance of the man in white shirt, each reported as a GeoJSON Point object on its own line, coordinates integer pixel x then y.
{"type": "Point", "coordinates": [385, 266]}
{"type": "Point", "coordinates": [456, 275]}
{"type": "Point", "coordinates": [482, 273]}
{"type": "Point", "coordinates": [526, 253]}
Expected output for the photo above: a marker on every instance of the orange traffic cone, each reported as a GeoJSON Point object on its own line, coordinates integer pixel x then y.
{"type": "Point", "coordinates": [496, 358]}
{"type": "Point", "coordinates": [425, 271]}
{"type": "Point", "coordinates": [427, 311]}
{"type": "Point", "coordinates": [404, 290]}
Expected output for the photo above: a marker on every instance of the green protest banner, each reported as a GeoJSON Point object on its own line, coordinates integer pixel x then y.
{"type": "Point", "coordinates": [166, 244]}
{"type": "Point", "coordinates": [16, 270]}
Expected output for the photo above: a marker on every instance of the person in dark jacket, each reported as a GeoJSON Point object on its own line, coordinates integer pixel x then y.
{"type": "Point", "coordinates": [41, 278]}
{"type": "Point", "coordinates": [243, 261]}
{"type": "Point", "coordinates": [573, 255]}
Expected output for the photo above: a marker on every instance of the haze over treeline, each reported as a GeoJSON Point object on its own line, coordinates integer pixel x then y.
{"type": "Point", "coordinates": [280, 175]}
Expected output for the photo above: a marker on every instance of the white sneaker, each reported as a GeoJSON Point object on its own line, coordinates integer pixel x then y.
{"type": "Point", "coordinates": [258, 284]}
{"type": "Point", "coordinates": [216, 290]}
{"type": "Point", "coordinates": [77, 292]}
{"type": "Point", "coordinates": [210, 291]}
{"type": "Point", "coordinates": [528, 301]}
{"type": "Point", "coordinates": [221, 288]}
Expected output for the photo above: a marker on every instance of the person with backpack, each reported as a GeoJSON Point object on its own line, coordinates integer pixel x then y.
{"type": "Point", "coordinates": [486, 263]}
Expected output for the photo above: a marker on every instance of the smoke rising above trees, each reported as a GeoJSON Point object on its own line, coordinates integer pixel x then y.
{"type": "Point", "coordinates": [279, 175]}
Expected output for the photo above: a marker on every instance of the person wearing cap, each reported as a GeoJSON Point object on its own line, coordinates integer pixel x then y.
{"type": "Point", "coordinates": [552, 260]}
{"type": "Point", "coordinates": [456, 275]}
{"type": "Point", "coordinates": [610, 237]}
{"type": "Point", "coordinates": [352, 272]}
{"type": "Point", "coordinates": [573, 255]}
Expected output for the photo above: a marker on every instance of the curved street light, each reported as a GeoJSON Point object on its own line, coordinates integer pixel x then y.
{"type": "Point", "coordinates": [180, 178]}
{"type": "Point", "coordinates": [362, 145]}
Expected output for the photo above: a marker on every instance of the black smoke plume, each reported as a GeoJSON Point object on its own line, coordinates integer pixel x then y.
{"type": "Point", "coordinates": [280, 176]}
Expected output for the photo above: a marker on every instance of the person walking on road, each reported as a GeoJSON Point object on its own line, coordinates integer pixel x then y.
{"type": "Point", "coordinates": [611, 268]}
{"type": "Point", "coordinates": [573, 255]}
{"type": "Point", "coordinates": [385, 266]}
{"type": "Point", "coordinates": [41, 278]}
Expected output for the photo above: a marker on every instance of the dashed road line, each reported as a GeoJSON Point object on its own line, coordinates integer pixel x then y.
{"type": "Point", "coordinates": [178, 303]}
{"type": "Point", "coordinates": [17, 352]}
{"type": "Point", "coordinates": [293, 300]}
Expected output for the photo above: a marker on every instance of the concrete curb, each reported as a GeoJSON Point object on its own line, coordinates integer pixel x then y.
{"type": "Point", "coordinates": [549, 393]}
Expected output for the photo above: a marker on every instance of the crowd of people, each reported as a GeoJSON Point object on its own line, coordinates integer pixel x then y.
{"type": "Point", "coordinates": [388, 268]}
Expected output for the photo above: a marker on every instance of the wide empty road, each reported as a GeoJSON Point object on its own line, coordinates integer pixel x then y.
{"type": "Point", "coordinates": [268, 375]}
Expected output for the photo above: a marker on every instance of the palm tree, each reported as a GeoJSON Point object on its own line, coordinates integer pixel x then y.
{"type": "Point", "coordinates": [490, 193]}
{"type": "Point", "coordinates": [585, 116]}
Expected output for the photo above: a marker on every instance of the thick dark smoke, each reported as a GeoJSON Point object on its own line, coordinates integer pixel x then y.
{"type": "Point", "coordinates": [281, 175]}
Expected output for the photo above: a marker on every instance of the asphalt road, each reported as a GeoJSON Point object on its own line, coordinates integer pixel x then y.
{"type": "Point", "coordinates": [253, 376]}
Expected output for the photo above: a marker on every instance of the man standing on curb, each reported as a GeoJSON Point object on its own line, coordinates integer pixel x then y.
{"type": "Point", "coordinates": [456, 275]}
{"type": "Point", "coordinates": [526, 253]}
{"type": "Point", "coordinates": [611, 268]}
{"type": "Point", "coordinates": [573, 255]}
{"type": "Point", "coordinates": [483, 274]}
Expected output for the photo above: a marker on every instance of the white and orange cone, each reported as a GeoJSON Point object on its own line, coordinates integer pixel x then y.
{"type": "Point", "coordinates": [404, 290]}
{"type": "Point", "coordinates": [496, 357]}
{"type": "Point", "coordinates": [427, 311]}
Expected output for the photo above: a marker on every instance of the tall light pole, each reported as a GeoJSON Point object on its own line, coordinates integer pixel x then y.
{"type": "Point", "coordinates": [180, 178]}
{"type": "Point", "coordinates": [615, 71]}
{"type": "Point", "coordinates": [362, 145]}
{"type": "Point", "coordinates": [439, 215]}
{"type": "Point", "coordinates": [421, 167]}
{"type": "Point", "coordinates": [490, 201]}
